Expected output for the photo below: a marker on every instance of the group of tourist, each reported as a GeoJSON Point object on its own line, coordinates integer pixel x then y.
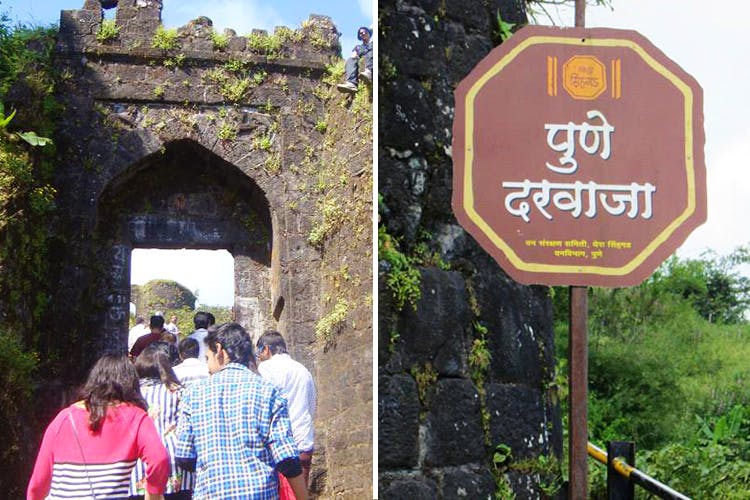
{"type": "Point", "coordinates": [236, 423]}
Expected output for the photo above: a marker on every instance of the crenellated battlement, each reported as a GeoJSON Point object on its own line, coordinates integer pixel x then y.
{"type": "Point", "coordinates": [137, 32]}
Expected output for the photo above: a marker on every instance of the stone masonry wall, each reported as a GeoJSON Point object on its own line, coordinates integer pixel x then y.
{"type": "Point", "coordinates": [442, 411]}
{"type": "Point", "coordinates": [194, 143]}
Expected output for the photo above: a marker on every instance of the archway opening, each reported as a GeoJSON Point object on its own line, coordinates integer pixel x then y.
{"type": "Point", "coordinates": [186, 199]}
{"type": "Point", "coordinates": [180, 283]}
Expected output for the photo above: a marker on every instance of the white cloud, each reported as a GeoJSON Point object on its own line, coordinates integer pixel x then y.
{"type": "Point", "coordinates": [726, 226]}
{"type": "Point", "coordinates": [365, 6]}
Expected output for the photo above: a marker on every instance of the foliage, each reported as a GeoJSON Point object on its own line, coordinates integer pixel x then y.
{"type": "Point", "coordinates": [175, 62]}
{"type": "Point", "coordinates": [668, 370]}
{"type": "Point", "coordinates": [234, 80]}
{"type": "Point", "coordinates": [227, 132]}
{"type": "Point", "coordinates": [703, 471]}
{"type": "Point", "coordinates": [426, 378]}
{"type": "Point", "coordinates": [263, 142]}
{"type": "Point", "coordinates": [220, 41]}
{"type": "Point", "coordinates": [334, 72]}
{"type": "Point", "coordinates": [108, 31]}
{"type": "Point", "coordinates": [333, 217]}
{"type": "Point", "coordinates": [26, 193]}
{"type": "Point", "coordinates": [479, 356]}
{"type": "Point", "coordinates": [321, 125]}
{"type": "Point", "coordinates": [503, 29]}
{"type": "Point", "coordinates": [402, 278]}
{"type": "Point", "coordinates": [165, 39]}
{"type": "Point", "coordinates": [265, 44]}
{"type": "Point", "coordinates": [272, 165]}
{"type": "Point", "coordinates": [234, 65]}
{"type": "Point", "coordinates": [325, 328]}
{"type": "Point", "coordinates": [271, 45]}
{"type": "Point", "coordinates": [17, 369]}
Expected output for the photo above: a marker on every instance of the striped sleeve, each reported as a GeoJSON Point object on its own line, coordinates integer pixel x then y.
{"type": "Point", "coordinates": [152, 451]}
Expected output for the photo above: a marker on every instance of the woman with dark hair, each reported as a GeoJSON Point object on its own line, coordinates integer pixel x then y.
{"type": "Point", "coordinates": [160, 388]}
{"type": "Point", "coordinates": [91, 447]}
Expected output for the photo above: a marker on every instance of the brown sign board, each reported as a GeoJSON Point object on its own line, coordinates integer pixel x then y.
{"type": "Point", "coordinates": [578, 156]}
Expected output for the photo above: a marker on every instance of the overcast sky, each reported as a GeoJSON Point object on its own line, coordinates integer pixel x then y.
{"type": "Point", "coordinates": [709, 41]}
{"type": "Point", "coordinates": [209, 273]}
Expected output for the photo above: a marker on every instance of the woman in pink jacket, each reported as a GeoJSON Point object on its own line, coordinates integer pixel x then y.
{"type": "Point", "coordinates": [90, 447]}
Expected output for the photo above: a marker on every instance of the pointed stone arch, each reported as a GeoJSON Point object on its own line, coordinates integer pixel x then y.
{"type": "Point", "coordinates": [184, 196]}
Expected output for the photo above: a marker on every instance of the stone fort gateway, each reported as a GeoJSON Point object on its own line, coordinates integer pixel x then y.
{"type": "Point", "coordinates": [215, 142]}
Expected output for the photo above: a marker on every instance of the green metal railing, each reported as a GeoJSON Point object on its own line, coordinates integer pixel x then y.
{"type": "Point", "coordinates": [634, 475]}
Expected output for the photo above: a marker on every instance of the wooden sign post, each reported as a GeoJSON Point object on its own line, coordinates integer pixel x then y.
{"type": "Point", "coordinates": [578, 160]}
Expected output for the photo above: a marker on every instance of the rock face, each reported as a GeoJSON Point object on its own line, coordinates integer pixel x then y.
{"type": "Point", "coordinates": [200, 140]}
{"type": "Point", "coordinates": [441, 411]}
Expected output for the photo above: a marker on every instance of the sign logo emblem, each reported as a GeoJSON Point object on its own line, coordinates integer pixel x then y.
{"type": "Point", "coordinates": [584, 77]}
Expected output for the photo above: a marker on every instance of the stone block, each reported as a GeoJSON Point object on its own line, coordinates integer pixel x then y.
{"type": "Point", "coordinates": [454, 434]}
{"type": "Point", "coordinates": [414, 45]}
{"type": "Point", "coordinates": [472, 14]}
{"type": "Point", "coordinates": [436, 332]}
{"type": "Point", "coordinates": [411, 489]}
{"type": "Point", "coordinates": [398, 422]}
{"type": "Point", "coordinates": [468, 484]}
{"type": "Point", "coordinates": [528, 428]}
{"type": "Point", "coordinates": [519, 322]}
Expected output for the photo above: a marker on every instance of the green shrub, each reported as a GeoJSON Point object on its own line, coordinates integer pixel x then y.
{"type": "Point", "coordinates": [264, 43]}
{"type": "Point", "coordinates": [17, 370]}
{"type": "Point", "coordinates": [325, 328]}
{"type": "Point", "coordinates": [220, 41]}
{"type": "Point", "coordinates": [402, 278]}
{"type": "Point", "coordinates": [165, 39]}
{"type": "Point", "coordinates": [108, 31]}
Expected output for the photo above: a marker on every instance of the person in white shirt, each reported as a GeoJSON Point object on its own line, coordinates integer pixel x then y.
{"type": "Point", "coordinates": [200, 320]}
{"type": "Point", "coordinates": [140, 329]}
{"type": "Point", "coordinates": [275, 364]}
{"type": "Point", "coordinates": [191, 368]}
{"type": "Point", "coordinates": [172, 327]}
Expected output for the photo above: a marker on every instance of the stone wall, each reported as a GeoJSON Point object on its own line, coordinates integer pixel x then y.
{"type": "Point", "coordinates": [194, 143]}
{"type": "Point", "coordinates": [442, 412]}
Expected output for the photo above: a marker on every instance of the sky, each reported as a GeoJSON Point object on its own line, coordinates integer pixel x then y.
{"type": "Point", "coordinates": [209, 274]}
{"type": "Point", "coordinates": [215, 283]}
{"type": "Point", "coordinates": [709, 41]}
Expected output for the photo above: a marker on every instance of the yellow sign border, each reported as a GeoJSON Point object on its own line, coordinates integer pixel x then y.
{"type": "Point", "coordinates": [468, 201]}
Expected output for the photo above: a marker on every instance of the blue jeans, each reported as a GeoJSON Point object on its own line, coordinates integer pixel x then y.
{"type": "Point", "coordinates": [351, 68]}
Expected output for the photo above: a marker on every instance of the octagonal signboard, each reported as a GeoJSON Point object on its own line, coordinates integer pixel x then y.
{"type": "Point", "coordinates": [578, 156]}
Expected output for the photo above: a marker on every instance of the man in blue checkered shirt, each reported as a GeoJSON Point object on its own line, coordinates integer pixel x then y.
{"type": "Point", "coordinates": [233, 427]}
